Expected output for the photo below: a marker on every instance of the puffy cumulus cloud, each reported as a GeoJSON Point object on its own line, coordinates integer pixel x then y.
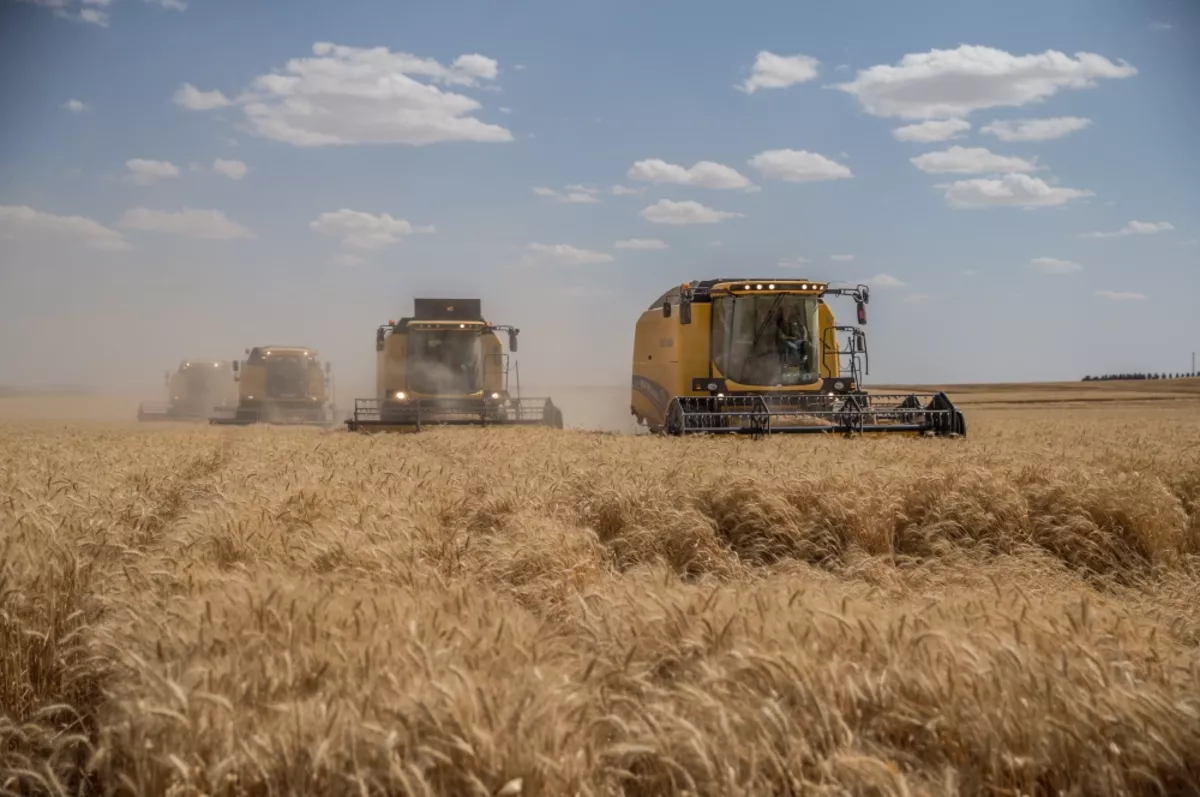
{"type": "Point", "coordinates": [364, 230]}
{"type": "Point", "coordinates": [640, 243]}
{"type": "Point", "coordinates": [351, 95]}
{"type": "Point", "coordinates": [1121, 296]}
{"type": "Point", "coordinates": [773, 71]}
{"type": "Point", "coordinates": [1135, 228]}
{"type": "Point", "coordinates": [942, 84]}
{"type": "Point", "coordinates": [562, 255]}
{"type": "Point", "coordinates": [192, 98]}
{"type": "Point", "coordinates": [234, 170]}
{"type": "Point", "coordinates": [798, 166]}
{"type": "Point", "coordinates": [624, 190]}
{"type": "Point", "coordinates": [933, 130]}
{"type": "Point", "coordinates": [1054, 265]}
{"type": "Point", "coordinates": [207, 225]}
{"type": "Point", "coordinates": [883, 281]}
{"type": "Point", "coordinates": [1036, 129]}
{"type": "Point", "coordinates": [702, 174]}
{"type": "Point", "coordinates": [75, 106]}
{"type": "Point", "coordinates": [971, 160]}
{"type": "Point", "coordinates": [147, 172]}
{"type": "Point", "coordinates": [666, 211]}
{"type": "Point", "coordinates": [572, 194]}
{"type": "Point", "coordinates": [1011, 190]}
{"type": "Point", "coordinates": [18, 222]}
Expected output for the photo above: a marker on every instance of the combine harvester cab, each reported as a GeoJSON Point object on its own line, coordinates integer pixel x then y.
{"type": "Point", "coordinates": [446, 366]}
{"type": "Point", "coordinates": [283, 385]}
{"type": "Point", "coordinates": [763, 356]}
{"type": "Point", "coordinates": [199, 390]}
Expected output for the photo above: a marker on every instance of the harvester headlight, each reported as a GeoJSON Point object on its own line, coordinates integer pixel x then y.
{"type": "Point", "coordinates": [495, 395]}
{"type": "Point", "coordinates": [839, 385]}
{"type": "Point", "coordinates": [712, 385]}
{"type": "Point", "coordinates": [804, 287]}
{"type": "Point", "coordinates": [401, 395]}
{"type": "Point", "coordinates": [720, 395]}
{"type": "Point", "coordinates": [759, 286]}
{"type": "Point", "coordinates": [770, 287]}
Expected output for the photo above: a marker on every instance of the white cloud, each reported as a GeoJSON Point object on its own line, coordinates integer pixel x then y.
{"type": "Point", "coordinates": [63, 9]}
{"type": "Point", "coordinates": [75, 106]}
{"type": "Point", "coordinates": [175, 5]}
{"type": "Point", "coordinates": [883, 281]}
{"type": "Point", "coordinates": [1160, 25]}
{"type": "Point", "coordinates": [623, 190]}
{"type": "Point", "coordinates": [234, 170]}
{"type": "Point", "coordinates": [1135, 228]}
{"type": "Point", "coordinates": [793, 262]}
{"type": "Point", "coordinates": [519, 67]}
{"type": "Point", "coordinates": [1054, 265]}
{"type": "Point", "coordinates": [773, 71]}
{"type": "Point", "coordinates": [147, 172]}
{"type": "Point", "coordinates": [702, 174]}
{"type": "Point", "coordinates": [347, 260]}
{"type": "Point", "coordinates": [933, 130]}
{"type": "Point", "coordinates": [352, 95]}
{"type": "Point", "coordinates": [1036, 129]}
{"type": "Point", "coordinates": [842, 258]}
{"type": "Point", "coordinates": [20, 221]}
{"type": "Point", "coordinates": [941, 84]}
{"type": "Point", "coordinates": [209, 225]}
{"type": "Point", "coordinates": [1121, 296]}
{"type": "Point", "coordinates": [504, 109]}
{"type": "Point", "coordinates": [1015, 190]}
{"type": "Point", "coordinates": [971, 160]}
{"type": "Point", "coordinates": [666, 211]}
{"type": "Point", "coordinates": [798, 166]}
{"type": "Point", "coordinates": [563, 255]}
{"type": "Point", "coordinates": [574, 194]}
{"type": "Point", "coordinates": [364, 230]}
{"type": "Point", "coordinates": [192, 98]}
{"type": "Point", "coordinates": [640, 243]}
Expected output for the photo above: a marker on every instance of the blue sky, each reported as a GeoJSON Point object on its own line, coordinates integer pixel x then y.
{"type": "Point", "coordinates": [186, 179]}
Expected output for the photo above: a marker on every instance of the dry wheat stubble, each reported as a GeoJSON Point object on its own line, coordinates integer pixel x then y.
{"type": "Point", "coordinates": [261, 611]}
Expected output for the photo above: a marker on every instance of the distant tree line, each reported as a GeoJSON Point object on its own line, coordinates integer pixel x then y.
{"type": "Point", "coordinates": [1109, 377]}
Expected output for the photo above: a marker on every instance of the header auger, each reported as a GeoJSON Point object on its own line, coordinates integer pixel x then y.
{"type": "Point", "coordinates": [445, 366]}
{"type": "Point", "coordinates": [739, 355]}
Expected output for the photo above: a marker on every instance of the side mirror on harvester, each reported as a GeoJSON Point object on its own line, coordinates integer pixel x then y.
{"type": "Point", "coordinates": [512, 339]}
{"type": "Point", "coordinates": [862, 313]}
{"type": "Point", "coordinates": [667, 309]}
{"type": "Point", "coordinates": [328, 367]}
{"type": "Point", "coordinates": [685, 311]}
{"type": "Point", "coordinates": [379, 339]}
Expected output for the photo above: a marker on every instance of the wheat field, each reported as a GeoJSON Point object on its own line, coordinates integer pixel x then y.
{"type": "Point", "coordinates": [191, 610]}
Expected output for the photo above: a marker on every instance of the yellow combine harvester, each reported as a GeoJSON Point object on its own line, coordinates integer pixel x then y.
{"type": "Point", "coordinates": [446, 366]}
{"type": "Point", "coordinates": [282, 385]}
{"type": "Point", "coordinates": [198, 390]}
{"type": "Point", "coordinates": [763, 356]}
